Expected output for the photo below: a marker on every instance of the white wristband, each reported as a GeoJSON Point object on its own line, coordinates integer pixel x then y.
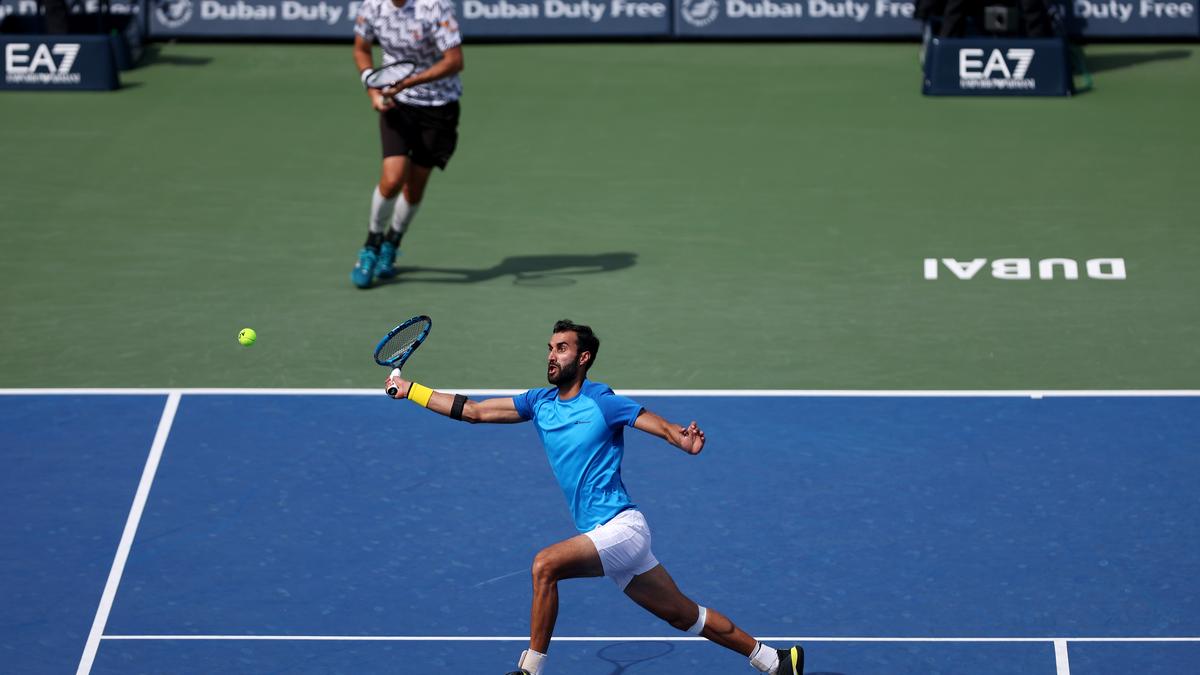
{"type": "Point", "coordinates": [363, 75]}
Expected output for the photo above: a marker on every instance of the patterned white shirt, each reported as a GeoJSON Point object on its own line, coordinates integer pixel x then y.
{"type": "Point", "coordinates": [417, 32]}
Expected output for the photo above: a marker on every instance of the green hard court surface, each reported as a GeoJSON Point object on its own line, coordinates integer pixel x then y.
{"type": "Point", "coordinates": [725, 215]}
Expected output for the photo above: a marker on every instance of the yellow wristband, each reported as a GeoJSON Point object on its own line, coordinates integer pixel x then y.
{"type": "Point", "coordinates": [420, 394]}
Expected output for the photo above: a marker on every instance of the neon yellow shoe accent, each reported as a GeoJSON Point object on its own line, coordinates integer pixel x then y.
{"type": "Point", "coordinates": [795, 657]}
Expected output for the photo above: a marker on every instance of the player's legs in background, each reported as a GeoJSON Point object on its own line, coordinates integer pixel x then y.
{"type": "Point", "coordinates": [409, 198]}
{"type": "Point", "coordinates": [383, 207]}
{"type": "Point", "coordinates": [569, 559]}
{"type": "Point", "coordinates": [392, 175]}
{"type": "Point", "coordinates": [656, 592]}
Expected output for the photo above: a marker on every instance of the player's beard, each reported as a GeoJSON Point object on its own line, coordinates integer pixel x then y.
{"type": "Point", "coordinates": [565, 374]}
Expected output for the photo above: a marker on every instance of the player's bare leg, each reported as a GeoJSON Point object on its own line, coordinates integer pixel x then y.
{"type": "Point", "coordinates": [402, 182]}
{"type": "Point", "coordinates": [414, 185]}
{"type": "Point", "coordinates": [570, 559]}
{"type": "Point", "coordinates": [656, 592]}
{"type": "Point", "coordinates": [391, 175]}
{"type": "Point", "coordinates": [371, 258]}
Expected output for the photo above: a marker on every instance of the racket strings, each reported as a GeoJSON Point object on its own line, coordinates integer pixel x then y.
{"type": "Point", "coordinates": [401, 342]}
{"type": "Point", "coordinates": [389, 75]}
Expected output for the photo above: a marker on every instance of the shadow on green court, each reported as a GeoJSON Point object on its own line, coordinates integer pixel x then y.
{"type": "Point", "coordinates": [526, 270]}
{"type": "Point", "coordinates": [154, 56]}
{"type": "Point", "coordinates": [1097, 63]}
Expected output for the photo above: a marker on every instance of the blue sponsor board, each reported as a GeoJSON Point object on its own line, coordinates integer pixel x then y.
{"type": "Point", "coordinates": [997, 67]}
{"type": "Point", "coordinates": [478, 18]}
{"type": "Point", "coordinates": [333, 19]}
{"type": "Point", "coordinates": [796, 18]}
{"type": "Point", "coordinates": [32, 7]}
{"type": "Point", "coordinates": [58, 62]}
{"type": "Point", "coordinates": [1132, 18]}
{"type": "Point", "coordinates": [253, 18]}
{"type": "Point", "coordinates": [894, 18]}
{"type": "Point", "coordinates": [565, 18]}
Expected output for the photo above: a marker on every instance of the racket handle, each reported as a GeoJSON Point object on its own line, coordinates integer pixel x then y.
{"type": "Point", "coordinates": [392, 390]}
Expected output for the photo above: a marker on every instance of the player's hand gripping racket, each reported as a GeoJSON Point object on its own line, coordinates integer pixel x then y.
{"type": "Point", "coordinates": [400, 343]}
{"type": "Point", "coordinates": [388, 75]}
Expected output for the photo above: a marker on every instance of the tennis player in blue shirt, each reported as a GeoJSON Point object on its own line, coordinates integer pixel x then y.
{"type": "Point", "coordinates": [582, 425]}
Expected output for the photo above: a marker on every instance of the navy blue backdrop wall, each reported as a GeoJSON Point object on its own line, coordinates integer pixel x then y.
{"type": "Point", "coordinates": [332, 19]}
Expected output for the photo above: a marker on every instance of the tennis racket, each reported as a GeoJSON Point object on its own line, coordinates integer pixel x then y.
{"type": "Point", "coordinates": [400, 343]}
{"type": "Point", "coordinates": [387, 75]}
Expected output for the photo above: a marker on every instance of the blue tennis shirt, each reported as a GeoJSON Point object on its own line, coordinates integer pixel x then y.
{"type": "Point", "coordinates": [585, 442]}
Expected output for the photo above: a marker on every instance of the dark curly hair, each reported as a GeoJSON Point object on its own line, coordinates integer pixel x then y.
{"type": "Point", "coordinates": [588, 342]}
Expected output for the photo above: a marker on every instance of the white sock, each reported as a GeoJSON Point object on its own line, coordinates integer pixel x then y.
{"type": "Point", "coordinates": [765, 659]}
{"type": "Point", "coordinates": [404, 214]}
{"type": "Point", "coordinates": [381, 211]}
{"type": "Point", "coordinates": [531, 661]}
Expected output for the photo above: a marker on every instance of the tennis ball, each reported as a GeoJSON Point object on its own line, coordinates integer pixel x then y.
{"type": "Point", "coordinates": [247, 336]}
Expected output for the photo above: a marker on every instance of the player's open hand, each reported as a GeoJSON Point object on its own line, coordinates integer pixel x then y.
{"type": "Point", "coordinates": [400, 384]}
{"type": "Point", "coordinates": [691, 439]}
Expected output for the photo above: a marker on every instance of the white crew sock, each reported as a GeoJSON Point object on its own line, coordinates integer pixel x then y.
{"type": "Point", "coordinates": [765, 659]}
{"type": "Point", "coordinates": [532, 661]}
{"type": "Point", "coordinates": [381, 211]}
{"type": "Point", "coordinates": [404, 216]}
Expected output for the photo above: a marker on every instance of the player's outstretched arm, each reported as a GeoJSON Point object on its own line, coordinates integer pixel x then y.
{"type": "Point", "coordinates": [690, 439]}
{"type": "Point", "coordinates": [456, 406]}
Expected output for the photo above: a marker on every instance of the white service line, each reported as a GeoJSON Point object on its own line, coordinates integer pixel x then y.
{"type": "Point", "coordinates": [1061, 662]}
{"type": "Point", "coordinates": [131, 525]}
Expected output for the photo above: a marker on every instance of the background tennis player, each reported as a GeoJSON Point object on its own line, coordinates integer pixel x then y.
{"type": "Point", "coordinates": [418, 117]}
{"type": "Point", "coordinates": [581, 424]}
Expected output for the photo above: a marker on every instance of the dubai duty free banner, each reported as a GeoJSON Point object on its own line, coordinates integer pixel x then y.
{"type": "Point", "coordinates": [893, 18]}
{"type": "Point", "coordinates": [583, 18]}
{"type": "Point", "coordinates": [478, 18]}
{"type": "Point", "coordinates": [796, 18]}
{"type": "Point", "coordinates": [565, 18]}
{"type": "Point", "coordinates": [1131, 18]}
{"type": "Point", "coordinates": [253, 18]}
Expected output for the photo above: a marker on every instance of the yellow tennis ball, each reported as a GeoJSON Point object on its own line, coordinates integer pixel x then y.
{"type": "Point", "coordinates": [247, 336]}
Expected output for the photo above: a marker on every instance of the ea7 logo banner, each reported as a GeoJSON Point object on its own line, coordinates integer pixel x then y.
{"type": "Point", "coordinates": [27, 63]}
{"type": "Point", "coordinates": [997, 67]}
{"type": "Point", "coordinates": [996, 73]}
{"type": "Point", "coordinates": [52, 62]}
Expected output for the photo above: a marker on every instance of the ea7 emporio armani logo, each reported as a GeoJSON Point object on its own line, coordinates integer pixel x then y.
{"type": "Point", "coordinates": [41, 63]}
{"type": "Point", "coordinates": [173, 13]}
{"type": "Point", "coordinates": [699, 13]}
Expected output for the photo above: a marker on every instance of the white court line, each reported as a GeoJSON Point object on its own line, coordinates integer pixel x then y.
{"type": "Point", "coordinates": [1061, 662]}
{"type": "Point", "coordinates": [131, 525]}
{"type": "Point", "coordinates": [784, 393]}
{"type": "Point", "coordinates": [627, 638]}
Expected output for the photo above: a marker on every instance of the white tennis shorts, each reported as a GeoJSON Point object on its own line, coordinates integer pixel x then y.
{"type": "Point", "coordinates": [624, 547]}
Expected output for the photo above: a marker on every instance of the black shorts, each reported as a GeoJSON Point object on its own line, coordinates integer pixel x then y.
{"type": "Point", "coordinates": [426, 134]}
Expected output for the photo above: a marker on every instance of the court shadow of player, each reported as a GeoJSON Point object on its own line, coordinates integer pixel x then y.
{"type": "Point", "coordinates": [1101, 62]}
{"type": "Point", "coordinates": [526, 270]}
{"type": "Point", "coordinates": [152, 54]}
{"type": "Point", "coordinates": [625, 655]}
